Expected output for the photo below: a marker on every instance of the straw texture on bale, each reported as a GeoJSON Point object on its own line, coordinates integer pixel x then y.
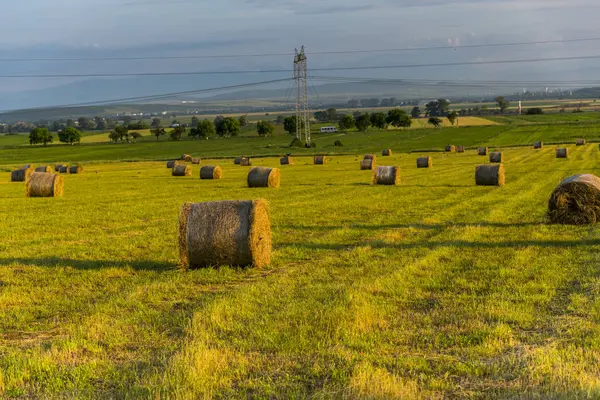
{"type": "Point", "coordinates": [264, 177]}
{"type": "Point", "coordinates": [450, 148]}
{"type": "Point", "coordinates": [181, 170]}
{"type": "Point", "coordinates": [386, 152]}
{"type": "Point", "coordinates": [424, 162]}
{"type": "Point", "coordinates": [580, 142]}
{"type": "Point", "coordinates": [224, 233]}
{"type": "Point", "coordinates": [211, 172]}
{"type": "Point", "coordinates": [64, 169]}
{"type": "Point", "coordinates": [246, 162]}
{"type": "Point", "coordinates": [196, 161]}
{"type": "Point", "coordinates": [186, 158]}
{"type": "Point", "coordinates": [460, 149]}
{"type": "Point", "coordinates": [320, 160]}
{"type": "Point", "coordinates": [238, 160]}
{"type": "Point", "coordinates": [21, 175]}
{"type": "Point", "coordinates": [489, 175]}
{"type": "Point", "coordinates": [370, 157]}
{"type": "Point", "coordinates": [75, 169]}
{"type": "Point", "coordinates": [482, 151]}
{"type": "Point", "coordinates": [366, 165]}
{"type": "Point", "coordinates": [43, 184]}
{"type": "Point", "coordinates": [562, 153]}
{"type": "Point", "coordinates": [45, 168]}
{"type": "Point", "coordinates": [538, 145]}
{"type": "Point", "coordinates": [576, 201]}
{"type": "Point", "coordinates": [58, 167]}
{"type": "Point", "coordinates": [386, 176]}
{"type": "Point", "coordinates": [172, 163]}
{"type": "Point", "coordinates": [496, 157]}
{"type": "Point", "coordinates": [286, 160]}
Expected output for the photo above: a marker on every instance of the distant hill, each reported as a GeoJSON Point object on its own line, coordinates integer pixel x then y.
{"type": "Point", "coordinates": [587, 93]}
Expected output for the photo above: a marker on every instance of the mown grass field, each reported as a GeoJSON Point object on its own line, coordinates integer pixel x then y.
{"type": "Point", "coordinates": [432, 289]}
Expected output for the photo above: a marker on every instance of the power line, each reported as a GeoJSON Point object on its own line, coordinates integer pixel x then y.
{"type": "Point", "coordinates": [326, 52]}
{"type": "Point", "coordinates": [355, 68]}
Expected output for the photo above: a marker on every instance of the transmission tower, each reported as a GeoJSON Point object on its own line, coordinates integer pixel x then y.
{"type": "Point", "coordinates": [302, 112]}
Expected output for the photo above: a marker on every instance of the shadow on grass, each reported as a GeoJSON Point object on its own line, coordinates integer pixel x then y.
{"type": "Point", "coordinates": [138, 265]}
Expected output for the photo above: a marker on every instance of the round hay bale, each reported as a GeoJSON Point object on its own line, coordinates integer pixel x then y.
{"type": "Point", "coordinates": [424, 162]}
{"type": "Point", "coordinates": [286, 160]}
{"type": "Point", "coordinates": [482, 151]}
{"type": "Point", "coordinates": [496, 157]}
{"type": "Point", "coordinates": [386, 152]}
{"type": "Point", "coordinates": [460, 149]}
{"type": "Point", "coordinates": [186, 157]}
{"type": "Point", "coordinates": [489, 175]}
{"type": "Point", "coordinates": [264, 177]}
{"type": "Point", "coordinates": [211, 172]}
{"type": "Point", "coordinates": [580, 142]}
{"type": "Point", "coordinates": [57, 167]}
{"type": "Point", "coordinates": [224, 233]}
{"type": "Point", "coordinates": [367, 165]}
{"type": "Point", "coordinates": [196, 161]}
{"type": "Point", "coordinates": [386, 176]}
{"type": "Point", "coordinates": [75, 169]}
{"type": "Point", "coordinates": [246, 162]}
{"type": "Point", "coordinates": [64, 169]}
{"type": "Point", "coordinates": [562, 152]}
{"type": "Point", "coordinates": [45, 168]}
{"type": "Point", "coordinates": [181, 170]}
{"type": "Point", "coordinates": [576, 201]}
{"type": "Point", "coordinates": [28, 166]}
{"type": "Point", "coordinates": [238, 160]}
{"type": "Point", "coordinates": [370, 157]}
{"type": "Point", "coordinates": [44, 184]}
{"type": "Point", "coordinates": [538, 145]}
{"type": "Point", "coordinates": [450, 148]}
{"type": "Point", "coordinates": [21, 175]}
{"type": "Point", "coordinates": [172, 163]}
{"type": "Point", "coordinates": [320, 160]}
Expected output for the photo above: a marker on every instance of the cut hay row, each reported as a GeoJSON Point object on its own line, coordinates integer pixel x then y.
{"type": "Point", "coordinates": [496, 157]}
{"type": "Point", "coordinates": [489, 175]}
{"type": "Point", "coordinates": [44, 184]}
{"type": "Point", "coordinates": [576, 201]}
{"type": "Point", "coordinates": [482, 151]}
{"type": "Point", "coordinates": [181, 170]}
{"type": "Point", "coordinates": [424, 162]}
{"type": "Point", "coordinates": [450, 148]}
{"type": "Point", "coordinates": [286, 160]}
{"type": "Point", "coordinates": [224, 233]}
{"type": "Point", "coordinates": [367, 165]}
{"type": "Point", "coordinates": [320, 160]}
{"type": "Point", "coordinates": [562, 152]}
{"type": "Point", "coordinates": [386, 152]}
{"type": "Point", "coordinates": [389, 175]}
{"type": "Point", "coordinates": [262, 177]}
{"type": "Point", "coordinates": [211, 172]}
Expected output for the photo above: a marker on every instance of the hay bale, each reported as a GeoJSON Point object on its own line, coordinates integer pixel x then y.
{"type": "Point", "coordinates": [172, 163]}
{"type": "Point", "coordinates": [450, 148]}
{"type": "Point", "coordinates": [320, 160]}
{"type": "Point", "coordinates": [562, 152]}
{"type": "Point", "coordinates": [211, 172]}
{"type": "Point", "coordinates": [224, 233]}
{"type": "Point", "coordinates": [45, 168]}
{"type": "Point", "coordinates": [264, 177]}
{"type": "Point", "coordinates": [496, 157]}
{"type": "Point", "coordinates": [367, 165]}
{"type": "Point", "coordinates": [424, 162]}
{"type": "Point", "coordinates": [460, 149]}
{"type": "Point", "coordinates": [57, 167]}
{"type": "Point", "coordinates": [489, 175]}
{"type": "Point", "coordinates": [286, 160]}
{"type": "Point", "coordinates": [386, 152]}
{"type": "Point", "coordinates": [181, 170]}
{"type": "Point", "coordinates": [246, 162]}
{"type": "Point", "coordinates": [28, 166]}
{"type": "Point", "coordinates": [580, 142]}
{"type": "Point", "coordinates": [186, 158]}
{"type": "Point", "coordinates": [21, 175]}
{"type": "Point", "coordinates": [576, 201]}
{"type": "Point", "coordinates": [386, 176]}
{"type": "Point", "coordinates": [75, 169]}
{"type": "Point", "coordinates": [482, 151]}
{"type": "Point", "coordinates": [64, 169]}
{"type": "Point", "coordinates": [196, 161]}
{"type": "Point", "coordinates": [370, 157]}
{"type": "Point", "coordinates": [238, 160]}
{"type": "Point", "coordinates": [538, 145]}
{"type": "Point", "coordinates": [44, 184]}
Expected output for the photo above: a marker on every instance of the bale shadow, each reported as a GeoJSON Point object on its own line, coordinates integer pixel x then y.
{"type": "Point", "coordinates": [53, 262]}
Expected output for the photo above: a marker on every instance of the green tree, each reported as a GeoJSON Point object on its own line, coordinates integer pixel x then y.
{"type": "Point", "coordinates": [264, 128]}
{"type": "Point", "coordinates": [40, 135]}
{"type": "Point", "coordinates": [502, 103]}
{"type": "Point", "coordinates": [347, 122]}
{"type": "Point", "coordinates": [243, 120]}
{"type": "Point", "coordinates": [289, 125]}
{"type": "Point", "coordinates": [86, 124]}
{"type": "Point", "coordinates": [280, 119]}
{"type": "Point", "coordinates": [378, 120]}
{"type": "Point", "coordinates": [156, 123]}
{"type": "Point", "coordinates": [114, 136]}
{"type": "Point", "coordinates": [195, 122]}
{"type": "Point", "coordinates": [121, 133]}
{"type": "Point", "coordinates": [399, 118]}
{"type": "Point", "coordinates": [69, 135]}
{"type": "Point", "coordinates": [227, 127]}
{"type": "Point", "coordinates": [363, 122]}
{"type": "Point", "coordinates": [204, 129]}
{"type": "Point", "coordinates": [435, 121]}
{"type": "Point", "coordinates": [158, 132]}
{"type": "Point", "coordinates": [135, 136]}
{"type": "Point", "coordinates": [415, 112]}
{"type": "Point", "coordinates": [177, 132]}
{"type": "Point", "coordinates": [452, 117]}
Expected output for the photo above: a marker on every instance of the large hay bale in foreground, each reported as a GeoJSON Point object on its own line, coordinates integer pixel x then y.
{"type": "Point", "coordinates": [45, 168]}
{"type": "Point", "coordinates": [576, 201]}
{"type": "Point", "coordinates": [460, 149]}
{"type": "Point", "coordinates": [320, 160]}
{"type": "Point", "coordinates": [172, 163]}
{"type": "Point", "coordinates": [450, 148]}
{"type": "Point", "coordinates": [196, 161]}
{"type": "Point", "coordinates": [489, 175]}
{"type": "Point", "coordinates": [367, 165]}
{"type": "Point", "coordinates": [424, 162]}
{"type": "Point", "coordinates": [496, 157]}
{"type": "Point", "coordinates": [246, 162]}
{"type": "Point", "coordinates": [75, 169]}
{"type": "Point", "coordinates": [44, 184]}
{"type": "Point", "coordinates": [386, 152]}
{"type": "Point", "coordinates": [211, 172]}
{"type": "Point", "coordinates": [64, 169]}
{"type": "Point", "coordinates": [21, 175]}
{"type": "Point", "coordinates": [386, 176]}
{"type": "Point", "coordinates": [562, 152]}
{"type": "Point", "coordinates": [580, 142]}
{"type": "Point", "coordinates": [482, 151]}
{"type": "Point", "coordinates": [224, 233]}
{"type": "Point", "coordinates": [286, 160]}
{"type": "Point", "coordinates": [538, 145]}
{"type": "Point", "coordinates": [181, 170]}
{"type": "Point", "coordinates": [264, 177]}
